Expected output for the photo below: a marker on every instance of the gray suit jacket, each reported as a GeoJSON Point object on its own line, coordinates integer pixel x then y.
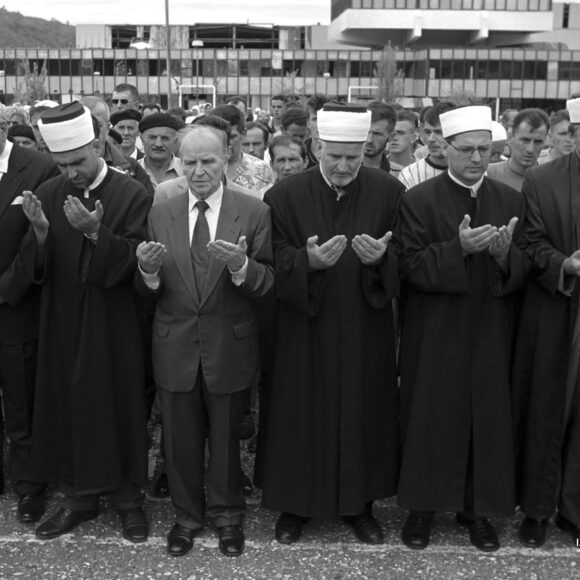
{"type": "Point", "coordinates": [218, 330]}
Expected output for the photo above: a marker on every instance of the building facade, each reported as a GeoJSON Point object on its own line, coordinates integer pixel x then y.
{"type": "Point", "coordinates": [511, 68]}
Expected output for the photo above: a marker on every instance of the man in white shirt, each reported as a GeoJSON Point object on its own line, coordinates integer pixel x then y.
{"type": "Point", "coordinates": [205, 334]}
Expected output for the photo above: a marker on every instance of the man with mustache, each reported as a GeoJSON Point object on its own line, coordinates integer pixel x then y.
{"type": "Point", "coordinates": [159, 136]}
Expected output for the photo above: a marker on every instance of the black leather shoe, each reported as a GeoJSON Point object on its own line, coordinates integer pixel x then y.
{"type": "Point", "coordinates": [289, 528]}
{"type": "Point", "coordinates": [135, 525]}
{"type": "Point", "coordinates": [62, 522]}
{"type": "Point", "coordinates": [481, 533]}
{"type": "Point", "coordinates": [161, 486]}
{"type": "Point", "coordinates": [180, 540]}
{"type": "Point", "coordinates": [231, 540]}
{"type": "Point", "coordinates": [532, 532]}
{"type": "Point", "coordinates": [567, 526]}
{"type": "Point", "coordinates": [31, 507]}
{"type": "Point", "coordinates": [365, 528]}
{"type": "Point", "coordinates": [416, 532]}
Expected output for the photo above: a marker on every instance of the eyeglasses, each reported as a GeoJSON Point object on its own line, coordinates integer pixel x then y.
{"type": "Point", "coordinates": [468, 152]}
{"type": "Point", "coordinates": [117, 101]}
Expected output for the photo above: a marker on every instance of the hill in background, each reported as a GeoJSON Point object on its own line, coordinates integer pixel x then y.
{"type": "Point", "coordinates": [18, 31]}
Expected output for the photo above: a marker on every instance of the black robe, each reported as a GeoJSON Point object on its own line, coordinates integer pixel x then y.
{"type": "Point", "coordinates": [456, 349]}
{"type": "Point", "coordinates": [552, 193]}
{"type": "Point", "coordinates": [89, 426]}
{"type": "Point", "coordinates": [332, 442]}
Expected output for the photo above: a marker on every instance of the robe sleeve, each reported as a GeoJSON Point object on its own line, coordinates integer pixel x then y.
{"type": "Point", "coordinates": [295, 282]}
{"type": "Point", "coordinates": [505, 282]}
{"type": "Point", "coordinates": [113, 257]}
{"type": "Point", "coordinates": [381, 283]}
{"type": "Point", "coordinates": [546, 260]}
{"type": "Point", "coordinates": [430, 267]}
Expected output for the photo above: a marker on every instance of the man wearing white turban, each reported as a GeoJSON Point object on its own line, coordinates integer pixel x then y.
{"type": "Point", "coordinates": [331, 443]}
{"type": "Point", "coordinates": [547, 370]}
{"type": "Point", "coordinates": [461, 273]}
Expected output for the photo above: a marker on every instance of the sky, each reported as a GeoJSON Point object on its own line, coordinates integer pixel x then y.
{"type": "Point", "coordinates": [283, 12]}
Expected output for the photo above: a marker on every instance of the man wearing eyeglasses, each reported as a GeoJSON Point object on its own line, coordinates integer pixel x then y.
{"type": "Point", "coordinates": [462, 274]}
{"type": "Point", "coordinates": [125, 96]}
{"type": "Point", "coordinates": [546, 369]}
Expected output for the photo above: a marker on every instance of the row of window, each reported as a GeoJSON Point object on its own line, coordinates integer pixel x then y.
{"type": "Point", "coordinates": [267, 67]}
{"type": "Point", "coordinates": [340, 6]}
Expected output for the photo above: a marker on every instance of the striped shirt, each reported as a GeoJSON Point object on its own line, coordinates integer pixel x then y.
{"type": "Point", "coordinates": [419, 171]}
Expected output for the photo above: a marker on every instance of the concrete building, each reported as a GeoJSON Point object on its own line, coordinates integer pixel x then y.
{"type": "Point", "coordinates": [509, 53]}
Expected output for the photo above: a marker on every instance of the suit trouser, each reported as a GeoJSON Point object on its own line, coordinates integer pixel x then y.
{"type": "Point", "coordinates": [17, 376]}
{"type": "Point", "coordinates": [187, 418]}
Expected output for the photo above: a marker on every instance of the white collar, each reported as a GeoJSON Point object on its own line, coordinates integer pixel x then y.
{"type": "Point", "coordinates": [214, 200]}
{"type": "Point", "coordinates": [4, 156]}
{"type": "Point", "coordinates": [98, 180]}
{"type": "Point", "coordinates": [473, 189]}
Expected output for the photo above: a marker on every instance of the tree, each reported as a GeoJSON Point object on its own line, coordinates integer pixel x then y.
{"type": "Point", "coordinates": [390, 79]}
{"type": "Point", "coordinates": [32, 88]}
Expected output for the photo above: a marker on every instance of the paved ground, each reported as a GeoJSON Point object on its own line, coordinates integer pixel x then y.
{"type": "Point", "coordinates": [96, 551]}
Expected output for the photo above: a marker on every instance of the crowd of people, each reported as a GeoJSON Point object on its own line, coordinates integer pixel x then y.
{"type": "Point", "coordinates": [392, 293]}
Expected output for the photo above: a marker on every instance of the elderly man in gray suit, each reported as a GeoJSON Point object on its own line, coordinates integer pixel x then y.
{"type": "Point", "coordinates": [209, 257]}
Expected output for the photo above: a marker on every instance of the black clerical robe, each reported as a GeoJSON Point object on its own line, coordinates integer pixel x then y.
{"type": "Point", "coordinates": [546, 392]}
{"type": "Point", "coordinates": [332, 442]}
{"type": "Point", "coordinates": [89, 426]}
{"type": "Point", "coordinates": [456, 349]}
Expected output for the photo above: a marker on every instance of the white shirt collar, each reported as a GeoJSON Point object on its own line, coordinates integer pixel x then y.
{"type": "Point", "coordinates": [214, 200]}
{"type": "Point", "coordinates": [99, 179]}
{"type": "Point", "coordinates": [4, 156]}
{"type": "Point", "coordinates": [473, 189]}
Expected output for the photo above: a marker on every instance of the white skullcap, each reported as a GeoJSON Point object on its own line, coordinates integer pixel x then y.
{"type": "Point", "coordinates": [498, 132]}
{"type": "Point", "coordinates": [46, 103]}
{"type": "Point", "coordinates": [573, 108]}
{"type": "Point", "coordinates": [464, 119]}
{"type": "Point", "coordinates": [66, 127]}
{"type": "Point", "coordinates": [344, 123]}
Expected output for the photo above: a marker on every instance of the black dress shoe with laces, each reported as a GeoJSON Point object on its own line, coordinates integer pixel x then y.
{"type": "Point", "coordinates": [231, 542]}
{"type": "Point", "coordinates": [532, 532]}
{"type": "Point", "coordinates": [481, 533]}
{"type": "Point", "coordinates": [567, 526]}
{"type": "Point", "coordinates": [416, 532]}
{"type": "Point", "coordinates": [31, 507]}
{"type": "Point", "coordinates": [289, 527]}
{"type": "Point", "coordinates": [180, 540]}
{"type": "Point", "coordinates": [63, 521]}
{"type": "Point", "coordinates": [365, 528]}
{"type": "Point", "coordinates": [135, 525]}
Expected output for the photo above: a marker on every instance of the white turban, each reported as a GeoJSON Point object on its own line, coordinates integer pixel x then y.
{"type": "Point", "coordinates": [464, 119]}
{"type": "Point", "coordinates": [67, 127]}
{"type": "Point", "coordinates": [344, 123]}
{"type": "Point", "coordinates": [573, 108]}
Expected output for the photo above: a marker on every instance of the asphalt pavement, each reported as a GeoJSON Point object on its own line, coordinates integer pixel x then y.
{"type": "Point", "coordinates": [327, 550]}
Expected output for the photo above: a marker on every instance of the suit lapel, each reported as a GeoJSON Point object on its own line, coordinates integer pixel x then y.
{"type": "Point", "coordinates": [178, 233]}
{"type": "Point", "coordinates": [228, 230]}
{"type": "Point", "coordinates": [11, 180]}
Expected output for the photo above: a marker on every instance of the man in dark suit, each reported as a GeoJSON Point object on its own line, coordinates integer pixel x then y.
{"type": "Point", "coordinates": [215, 247]}
{"type": "Point", "coordinates": [20, 169]}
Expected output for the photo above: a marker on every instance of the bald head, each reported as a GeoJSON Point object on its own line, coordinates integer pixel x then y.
{"type": "Point", "coordinates": [199, 133]}
{"type": "Point", "coordinates": [100, 111]}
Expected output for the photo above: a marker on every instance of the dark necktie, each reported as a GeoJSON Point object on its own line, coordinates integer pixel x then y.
{"type": "Point", "coordinates": [199, 242]}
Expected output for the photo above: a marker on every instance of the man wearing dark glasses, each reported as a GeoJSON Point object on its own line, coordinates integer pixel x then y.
{"type": "Point", "coordinates": [125, 96]}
